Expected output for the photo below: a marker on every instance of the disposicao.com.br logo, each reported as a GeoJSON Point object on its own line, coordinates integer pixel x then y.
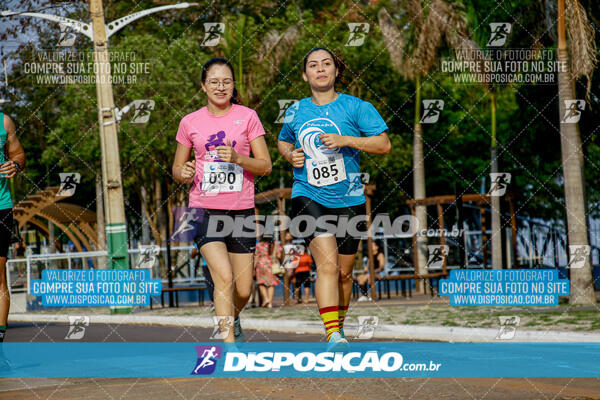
{"type": "Point", "coordinates": [351, 362]}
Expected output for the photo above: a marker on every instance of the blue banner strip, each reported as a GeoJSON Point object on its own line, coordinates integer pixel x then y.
{"type": "Point", "coordinates": [282, 359]}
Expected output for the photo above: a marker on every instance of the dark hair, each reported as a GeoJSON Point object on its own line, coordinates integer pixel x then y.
{"type": "Point", "coordinates": [337, 61]}
{"type": "Point", "coordinates": [221, 61]}
{"type": "Point", "coordinates": [379, 246]}
{"type": "Point", "coordinates": [267, 238]}
{"type": "Point", "coordinates": [379, 251]}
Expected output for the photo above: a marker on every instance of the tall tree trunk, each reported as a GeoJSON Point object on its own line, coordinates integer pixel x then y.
{"type": "Point", "coordinates": [171, 202]}
{"type": "Point", "coordinates": [159, 208]}
{"type": "Point", "coordinates": [100, 224]}
{"type": "Point", "coordinates": [419, 187]}
{"type": "Point", "coordinates": [582, 290]}
{"type": "Point", "coordinates": [160, 219]}
{"type": "Point", "coordinates": [495, 211]}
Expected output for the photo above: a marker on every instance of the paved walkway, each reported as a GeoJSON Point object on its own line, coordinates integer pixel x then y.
{"type": "Point", "coordinates": [300, 388]}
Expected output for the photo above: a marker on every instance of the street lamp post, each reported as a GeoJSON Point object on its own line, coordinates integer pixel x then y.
{"type": "Point", "coordinates": [116, 233]}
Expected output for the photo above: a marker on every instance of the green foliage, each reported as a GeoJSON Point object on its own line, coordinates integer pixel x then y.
{"type": "Point", "coordinates": [58, 125]}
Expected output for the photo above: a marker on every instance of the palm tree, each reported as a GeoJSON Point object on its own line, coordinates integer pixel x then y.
{"type": "Point", "coordinates": [414, 60]}
{"type": "Point", "coordinates": [583, 60]}
{"type": "Point", "coordinates": [256, 55]}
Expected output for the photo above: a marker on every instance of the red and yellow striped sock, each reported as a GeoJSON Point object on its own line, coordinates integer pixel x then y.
{"type": "Point", "coordinates": [343, 310]}
{"type": "Point", "coordinates": [329, 315]}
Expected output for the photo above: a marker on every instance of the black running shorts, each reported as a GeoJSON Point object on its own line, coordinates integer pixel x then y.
{"type": "Point", "coordinates": [6, 225]}
{"type": "Point", "coordinates": [239, 238]}
{"type": "Point", "coordinates": [347, 241]}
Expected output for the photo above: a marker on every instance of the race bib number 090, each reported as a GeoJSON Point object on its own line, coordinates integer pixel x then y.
{"type": "Point", "coordinates": [326, 171]}
{"type": "Point", "coordinates": [222, 177]}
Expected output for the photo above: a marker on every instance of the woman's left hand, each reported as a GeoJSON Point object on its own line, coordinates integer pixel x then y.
{"type": "Point", "coordinates": [227, 153]}
{"type": "Point", "coordinates": [333, 140]}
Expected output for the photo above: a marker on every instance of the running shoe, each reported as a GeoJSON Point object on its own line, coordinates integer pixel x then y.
{"type": "Point", "coordinates": [337, 343]}
{"type": "Point", "coordinates": [238, 333]}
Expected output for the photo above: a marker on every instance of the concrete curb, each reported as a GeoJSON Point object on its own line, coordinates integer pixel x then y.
{"type": "Point", "coordinates": [398, 332]}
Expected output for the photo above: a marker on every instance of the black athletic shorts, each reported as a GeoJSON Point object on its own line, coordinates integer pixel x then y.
{"type": "Point", "coordinates": [239, 237]}
{"type": "Point", "coordinates": [302, 277]}
{"type": "Point", "coordinates": [347, 241]}
{"type": "Point", "coordinates": [6, 225]}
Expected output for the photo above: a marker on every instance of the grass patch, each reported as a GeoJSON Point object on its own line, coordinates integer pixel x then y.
{"type": "Point", "coordinates": [450, 323]}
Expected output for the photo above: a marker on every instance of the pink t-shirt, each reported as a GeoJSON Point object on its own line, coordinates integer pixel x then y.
{"type": "Point", "coordinates": [204, 132]}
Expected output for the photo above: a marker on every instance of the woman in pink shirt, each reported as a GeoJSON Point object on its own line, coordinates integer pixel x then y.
{"type": "Point", "coordinates": [222, 135]}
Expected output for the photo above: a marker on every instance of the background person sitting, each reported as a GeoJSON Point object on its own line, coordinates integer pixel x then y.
{"type": "Point", "coordinates": [364, 279]}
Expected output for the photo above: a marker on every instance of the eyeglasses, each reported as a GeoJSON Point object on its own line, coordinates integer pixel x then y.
{"type": "Point", "coordinates": [215, 83]}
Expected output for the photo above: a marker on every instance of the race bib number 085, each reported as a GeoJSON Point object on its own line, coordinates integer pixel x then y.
{"type": "Point", "coordinates": [222, 177]}
{"type": "Point", "coordinates": [326, 171]}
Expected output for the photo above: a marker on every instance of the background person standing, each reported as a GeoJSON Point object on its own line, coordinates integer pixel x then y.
{"type": "Point", "coordinates": [266, 250]}
{"type": "Point", "coordinates": [302, 274]}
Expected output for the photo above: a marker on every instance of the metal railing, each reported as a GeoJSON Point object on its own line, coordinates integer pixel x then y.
{"type": "Point", "coordinates": [20, 271]}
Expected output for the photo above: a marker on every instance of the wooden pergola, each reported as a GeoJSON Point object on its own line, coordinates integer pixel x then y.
{"type": "Point", "coordinates": [480, 200]}
{"type": "Point", "coordinates": [286, 193]}
{"type": "Point", "coordinates": [76, 222]}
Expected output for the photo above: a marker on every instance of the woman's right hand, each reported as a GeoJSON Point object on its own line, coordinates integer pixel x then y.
{"type": "Point", "coordinates": [297, 158]}
{"type": "Point", "coordinates": [188, 171]}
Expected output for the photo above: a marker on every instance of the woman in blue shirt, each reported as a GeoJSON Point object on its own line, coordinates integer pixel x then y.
{"type": "Point", "coordinates": [322, 137]}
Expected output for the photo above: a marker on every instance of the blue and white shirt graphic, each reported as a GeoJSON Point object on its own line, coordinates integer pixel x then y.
{"type": "Point", "coordinates": [305, 122]}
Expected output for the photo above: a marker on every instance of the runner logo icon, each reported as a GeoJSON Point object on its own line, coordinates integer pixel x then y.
{"type": "Point", "coordinates": [285, 116]}
{"type": "Point", "coordinates": [366, 326]}
{"type": "Point", "coordinates": [143, 108]}
{"type": "Point", "coordinates": [500, 182]}
{"type": "Point", "coordinates": [431, 111]}
{"type": "Point", "coordinates": [207, 359]}
{"type": "Point", "coordinates": [437, 253]}
{"type": "Point", "coordinates": [147, 256]}
{"type": "Point", "coordinates": [573, 110]}
{"type": "Point", "coordinates": [68, 183]}
{"type": "Point", "coordinates": [212, 33]}
{"type": "Point", "coordinates": [358, 33]}
{"type": "Point", "coordinates": [578, 254]}
{"type": "Point", "coordinates": [222, 325]}
{"type": "Point", "coordinates": [185, 228]}
{"type": "Point", "coordinates": [67, 35]}
{"type": "Point", "coordinates": [508, 327]}
{"type": "Point", "coordinates": [500, 31]}
{"type": "Point", "coordinates": [357, 180]}
{"type": "Point", "coordinates": [77, 327]}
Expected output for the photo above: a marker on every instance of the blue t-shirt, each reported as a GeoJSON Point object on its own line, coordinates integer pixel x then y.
{"type": "Point", "coordinates": [304, 122]}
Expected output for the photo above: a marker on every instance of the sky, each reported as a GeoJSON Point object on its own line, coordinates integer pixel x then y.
{"type": "Point", "coordinates": [30, 35]}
